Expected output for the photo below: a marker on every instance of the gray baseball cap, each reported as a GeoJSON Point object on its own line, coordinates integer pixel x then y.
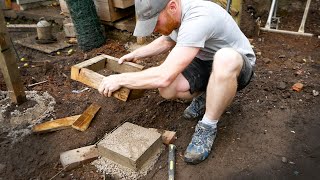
{"type": "Point", "coordinates": [147, 12]}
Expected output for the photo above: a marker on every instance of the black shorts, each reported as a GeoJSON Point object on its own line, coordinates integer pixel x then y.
{"type": "Point", "coordinates": [198, 72]}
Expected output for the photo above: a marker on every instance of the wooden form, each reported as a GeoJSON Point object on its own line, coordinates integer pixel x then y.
{"type": "Point", "coordinates": [85, 73]}
{"type": "Point", "coordinates": [8, 65]}
{"type": "Point", "coordinates": [55, 125]}
{"type": "Point", "coordinates": [82, 123]}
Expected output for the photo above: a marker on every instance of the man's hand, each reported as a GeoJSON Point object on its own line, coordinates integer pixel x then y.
{"type": "Point", "coordinates": [108, 85]}
{"type": "Point", "coordinates": [127, 57]}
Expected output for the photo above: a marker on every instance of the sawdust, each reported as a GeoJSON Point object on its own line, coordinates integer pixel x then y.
{"type": "Point", "coordinates": [17, 121]}
{"type": "Point", "coordinates": [117, 171]}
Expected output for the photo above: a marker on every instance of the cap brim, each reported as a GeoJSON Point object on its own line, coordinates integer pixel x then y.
{"type": "Point", "coordinates": [145, 27]}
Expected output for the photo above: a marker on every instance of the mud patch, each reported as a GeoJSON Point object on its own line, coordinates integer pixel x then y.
{"type": "Point", "coordinates": [17, 121]}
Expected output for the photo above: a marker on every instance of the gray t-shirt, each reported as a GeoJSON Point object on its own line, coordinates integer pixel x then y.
{"type": "Point", "coordinates": [208, 26]}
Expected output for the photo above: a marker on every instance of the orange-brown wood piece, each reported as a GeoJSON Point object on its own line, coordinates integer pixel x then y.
{"type": "Point", "coordinates": [83, 122]}
{"type": "Point", "coordinates": [55, 125]}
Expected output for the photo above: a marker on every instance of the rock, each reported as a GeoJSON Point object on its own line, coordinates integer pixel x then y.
{"type": "Point", "coordinates": [296, 173]}
{"type": "Point", "coordinates": [282, 85]}
{"type": "Point", "coordinates": [282, 56]}
{"type": "Point", "coordinates": [315, 93]}
{"type": "Point", "coordinates": [286, 95]}
{"type": "Point", "coordinates": [270, 72]}
{"type": "Point", "coordinates": [266, 60]}
{"type": "Point", "coordinates": [2, 168]}
{"type": "Point", "coordinates": [41, 152]}
{"type": "Point", "coordinates": [62, 175]}
{"type": "Point", "coordinates": [284, 159]}
{"type": "Point", "coordinates": [258, 53]}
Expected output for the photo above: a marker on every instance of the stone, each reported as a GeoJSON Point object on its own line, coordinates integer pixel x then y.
{"type": "Point", "coordinates": [282, 85]}
{"type": "Point", "coordinates": [2, 168]}
{"type": "Point", "coordinates": [284, 159]}
{"type": "Point", "coordinates": [130, 145]}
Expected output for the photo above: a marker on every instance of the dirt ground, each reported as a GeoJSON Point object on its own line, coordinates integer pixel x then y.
{"type": "Point", "coordinates": [269, 132]}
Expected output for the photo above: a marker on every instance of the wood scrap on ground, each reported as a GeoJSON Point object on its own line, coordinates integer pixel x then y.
{"type": "Point", "coordinates": [83, 122]}
{"type": "Point", "coordinates": [76, 157]}
{"type": "Point", "coordinates": [55, 125]}
{"type": "Point", "coordinates": [168, 137]}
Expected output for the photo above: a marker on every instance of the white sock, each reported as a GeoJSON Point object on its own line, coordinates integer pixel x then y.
{"type": "Point", "coordinates": [209, 122]}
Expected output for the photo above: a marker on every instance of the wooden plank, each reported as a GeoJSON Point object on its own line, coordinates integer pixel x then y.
{"type": "Point", "coordinates": [76, 157]}
{"type": "Point", "coordinates": [123, 3]}
{"type": "Point", "coordinates": [21, 27]}
{"type": "Point", "coordinates": [8, 65]}
{"type": "Point", "coordinates": [94, 79]}
{"type": "Point", "coordinates": [55, 125]}
{"type": "Point", "coordinates": [28, 1]}
{"type": "Point", "coordinates": [83, 122]}
{"type": "Point", "coordinates": [107, 12]}
{"type": "Point", "coordinates": [47, 48]}
{"type": "Point", "coordinates": [112, 64]}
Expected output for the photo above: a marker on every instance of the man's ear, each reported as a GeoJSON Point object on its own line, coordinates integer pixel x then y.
{"type": "Point", "coordinates": [172, 5]}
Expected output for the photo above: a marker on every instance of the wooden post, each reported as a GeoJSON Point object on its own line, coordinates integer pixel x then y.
{"type": "Point", "coordinates": [8, 65]}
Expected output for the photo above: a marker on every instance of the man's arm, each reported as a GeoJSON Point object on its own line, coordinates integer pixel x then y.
{"type": "Point", "coordinates": [158, 46]}
{"type": "Point", "coordinates": [155, 77]}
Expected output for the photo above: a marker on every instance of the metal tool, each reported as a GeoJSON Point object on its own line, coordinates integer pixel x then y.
{"type": "Point", "coordinates": [171, 162]}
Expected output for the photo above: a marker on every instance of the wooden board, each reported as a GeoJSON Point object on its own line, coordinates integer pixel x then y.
{"type": "Point", "coordinates": [55, 125]}
{"type": "Point", "coordinates": [107, 12]}
{"type": "Point", "coordinates": [112, 64]}
{"type": "Point", "coordinates": [94, 79]}
{"type": "Point", "coordinates": [47, 48]}
{"type": "Point", "coordinates": [83, 122]}
{"type": "Point", "coordinates": [76, 157]}
{"type": "Point", "coordinates": [122, 3]}
{"type": "Point", "coordinates": [8, 65]}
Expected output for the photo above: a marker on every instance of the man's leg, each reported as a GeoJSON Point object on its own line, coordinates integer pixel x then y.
{"type": "Point", "coordinates": [179, 88]}
{"type": "Point", "coordinates": [221, 90]}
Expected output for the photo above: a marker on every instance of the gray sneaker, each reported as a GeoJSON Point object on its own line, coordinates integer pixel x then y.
{"type": "Point", "coordinates": [201, 143]}
{"type": "Point", "coordinates": [196, 108]}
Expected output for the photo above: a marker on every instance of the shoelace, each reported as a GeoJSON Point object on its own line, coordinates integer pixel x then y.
{"type": "Point", "coordinates": [199, 135]}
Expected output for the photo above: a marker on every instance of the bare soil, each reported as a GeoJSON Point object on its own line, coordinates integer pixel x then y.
{"type": "Point", "coordinates": [269, 132]}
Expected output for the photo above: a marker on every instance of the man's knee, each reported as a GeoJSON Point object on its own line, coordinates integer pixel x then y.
{"type": "Point", "coordinates": [227, 62]}
{"type": "Point", "coordinates": [167, 93]}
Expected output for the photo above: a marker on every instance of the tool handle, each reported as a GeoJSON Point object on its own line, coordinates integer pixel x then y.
{"type": "Point", "coordinates": [171, 162]}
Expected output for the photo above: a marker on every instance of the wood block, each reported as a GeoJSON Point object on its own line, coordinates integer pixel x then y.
{"type": "Point", "coordinates": [83, 122]}
{"type": "Point", "coordinates": [130, 145]}
{"type": "Point", "coordinates": [76, 157]}
{"type": "Point", "coordinates": [55, 125]}
{"type": "Point", "coordinates": [168, 137]}
{"type": "Point", "coordinates": [107, 12]}
{"type": "Point", "coordinates": [123, 3]}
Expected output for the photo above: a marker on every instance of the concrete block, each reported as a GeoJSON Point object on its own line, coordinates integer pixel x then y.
{"type": "Point", "coordinates": [130, 145]}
